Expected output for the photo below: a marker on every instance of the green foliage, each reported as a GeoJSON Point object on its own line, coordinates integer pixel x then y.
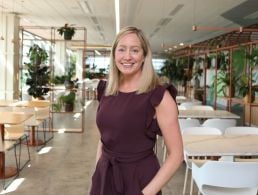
{"type": "Point", "coordinates": [253, 57]}
{"type": "Point", "coordinates": [243, 86]}
{"type": "Point", "coordinates": [223, 81]}
{"type": "Point", "coordinates": [223, 61]}
{"type": "Point", "coordinates": [67, 31]}
{"type": "Point", "coordinates": [173, 69]}
{"type": "Point", "coordinates": [67, 99]}
{"type": "Point", "coordinates": [38, 74]}
{"type": "Point", "coordinates": [63, 100]}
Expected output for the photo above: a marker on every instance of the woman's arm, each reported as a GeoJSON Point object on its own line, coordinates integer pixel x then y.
{"type": "Point", "coordinates": [99, 151]}
{"type": "Point", "coordinates": [167, 116]}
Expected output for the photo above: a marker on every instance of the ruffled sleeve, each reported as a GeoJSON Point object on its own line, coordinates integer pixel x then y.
{"type": "Point", "coordinates": [101, 89]}
{"type": "Point", "coordinates": [155, 99]}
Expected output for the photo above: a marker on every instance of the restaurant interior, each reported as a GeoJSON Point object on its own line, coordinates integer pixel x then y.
{"type": "Point", "coordinates": [54, 53]}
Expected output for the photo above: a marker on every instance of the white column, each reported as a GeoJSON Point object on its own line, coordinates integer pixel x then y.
{"type": "Point", "coordinates": [9, 57]}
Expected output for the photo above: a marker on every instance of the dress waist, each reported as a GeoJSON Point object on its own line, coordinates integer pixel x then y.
{"type": "Point", "coordinates": [113, 162]}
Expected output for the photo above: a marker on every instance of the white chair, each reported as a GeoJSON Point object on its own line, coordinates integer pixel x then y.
{"type": "Point", "coordinates": [202, 131]}
{"type": "Point", "coordinates": [32, 122]}
{"type": "Point", "coordinates": [243, 130]}
{"type": "Point", "coordinates": [201, 107]}
{"type": "Point", "coordinates": [196, 131]}
{"type": "Point", "coordinates": [221, 124]}
{"type": "Point", "coordinates": [183, 123]}
{"type": "Point", "coordinates": [180, 107]}
{"type": "Point", "coordinates": [188, 105]}
{"type": "Point", "coordinates": [17, 133]}
{"type": "Point", "coordinates": [226, 178]}
{"type": "Point", "coordinates": [43, 114]}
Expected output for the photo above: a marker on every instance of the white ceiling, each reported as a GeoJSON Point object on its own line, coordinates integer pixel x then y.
{"type": "Point", "coordinates": [165, 22]}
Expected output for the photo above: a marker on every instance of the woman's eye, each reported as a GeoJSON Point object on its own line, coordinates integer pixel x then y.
{"type": "Point", "coordinates": [135, 50]}
{"type": "Point", "coordinates": [121, 49]}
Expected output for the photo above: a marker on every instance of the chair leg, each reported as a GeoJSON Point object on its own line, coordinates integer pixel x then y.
{"type": "Point", "coordinates": [185, 182]}
{"type": "Point", "coordinates": [164, 153]}
{"type": "Point", "coordinates": [191, 187]}
{"type": "Point", "coordinates": [28, 151]}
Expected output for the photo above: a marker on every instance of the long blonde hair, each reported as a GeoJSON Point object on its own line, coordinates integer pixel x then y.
{"type": "Point", "coordinates": [149, 79]}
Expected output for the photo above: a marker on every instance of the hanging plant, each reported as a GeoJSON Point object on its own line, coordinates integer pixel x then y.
{"type": "Point", "coordinates": [67, 31]}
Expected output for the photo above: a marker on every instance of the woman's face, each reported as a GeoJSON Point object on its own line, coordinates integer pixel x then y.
{"type": "Point", "coordinates": [129, 55]}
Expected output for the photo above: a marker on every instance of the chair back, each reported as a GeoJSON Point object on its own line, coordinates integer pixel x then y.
{"type": "Point", "coordinates": [221, 124]}
{"type": "Point", "coordinates": [201, 107]}
{"type": "Point", "coordinates": [188, 105]}
{"type": "Point", "coordinates": [32, 121]}
{"type": "Point", "coordinates": [184, 123]}
{"type": "Point", "coordinates": [14, 130]}
{"type": "Point", "coordinates": [243, 130]}
{"type": "Point", "coordinates": [225, 177]}
{"type": "Point", "coordinates": [201, 131]}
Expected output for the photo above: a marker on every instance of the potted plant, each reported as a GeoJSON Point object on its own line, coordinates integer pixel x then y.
{"type": "Point", "coordinates": [68, 101]}
{"type": "Point", "coordinates": [244, 89]}
{"type": "Point", "coordinates": [67, 31]}
{"type": "Point", "coordinates": [223, 83]}
{"type": "Point", "coordinates": [38, 75]}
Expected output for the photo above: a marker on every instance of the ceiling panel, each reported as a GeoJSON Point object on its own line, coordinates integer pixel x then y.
{"type": "Point", "coordinates": [165, 22]}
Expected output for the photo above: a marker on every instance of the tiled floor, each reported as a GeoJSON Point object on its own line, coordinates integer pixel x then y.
{"type": "Point", "coordinates": [68, 163]}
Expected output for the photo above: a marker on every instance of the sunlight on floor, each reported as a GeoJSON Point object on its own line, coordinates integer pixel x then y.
{"type": "Point", "coordinates": [44, 150]}
{"type": "Point", "coordinates": [13, 186]}
{"type": "Point", "coordinates": [61, 130]}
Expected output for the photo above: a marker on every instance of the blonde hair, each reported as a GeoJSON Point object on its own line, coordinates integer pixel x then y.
{"type": "Point", "coordinates": [148, 80]}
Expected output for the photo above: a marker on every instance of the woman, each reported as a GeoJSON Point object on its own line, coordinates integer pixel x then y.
{"type": "Point", "coordinates": [133, 109]}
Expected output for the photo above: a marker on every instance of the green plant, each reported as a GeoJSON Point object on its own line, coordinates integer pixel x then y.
{"type": "Point", "coordinates": [253, 58]}
{"type": "Point", "coordinates": [38, 75]}
{"type": "Point", "coordinates": [223, 82]}
{"type": "Point", "coordinates": [173, 69]}
{"type": "Point", "coordinates": [67, 31]}
{"type": "Point", "coordinates": [66, 100]}
{"type": "Point", "coordinates": [243, 86]}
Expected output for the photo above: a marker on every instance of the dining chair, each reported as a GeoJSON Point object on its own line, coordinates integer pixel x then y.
{"type": "Point", "coordinates": [188, 160]}
{"type": "Point", "coordinates": [201, 107]}
{"type": "Point", "coordinates": [17, 133]}
{"type": "Point", "coordinates": [43, 114]}
{"type": "Point", "coordinates": [221, 124]}
{"type": "Point", "coordinates": [226, 177]}
{"type": "Point", "coordinates": [241, 130]}
{"type": "Point", "coordinates": [188, 105]}
{"type": "Point", "coordinates": [32, 122]}
{"type": "Point", "coordinates": [183, 123]}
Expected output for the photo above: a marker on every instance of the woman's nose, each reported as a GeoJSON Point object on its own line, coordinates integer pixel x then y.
{"type": "Point", "coordinates": [127, 54]}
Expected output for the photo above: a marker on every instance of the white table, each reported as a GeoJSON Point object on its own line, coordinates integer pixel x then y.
{"type": "Point", "coordinates": [215, 145]}
{"type": "Point", "coordinates": [202, 114]}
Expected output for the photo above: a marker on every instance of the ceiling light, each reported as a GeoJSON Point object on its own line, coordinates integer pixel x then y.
{"type": "Point", "coordinates": [85, 7]}
{"type": "Point", "coordinates": [97, 52]}
{"type": "Point", "coordinates": [181, 44]}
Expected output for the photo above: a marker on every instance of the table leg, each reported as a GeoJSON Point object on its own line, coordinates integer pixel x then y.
{"type": "Point", "coordinates": [33, 141]}
{"type": "Point", "coordinates": [2, 131]}
{"type": "Point", "coordinates": [6, 172]}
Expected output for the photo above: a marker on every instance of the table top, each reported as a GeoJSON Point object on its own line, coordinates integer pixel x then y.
{"type": "Point", "coordinates": [36, 103]}
{"type": "Point", "coordinates": [7, 102]}
{"type": "Point", "coordinates": [220, 145]}
{"type": "Point", "coordinates": [13, 118]}
{"type": "Point", "coordinates": [207, 114]}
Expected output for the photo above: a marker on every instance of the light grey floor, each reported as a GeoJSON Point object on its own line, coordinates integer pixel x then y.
{"type": "Point", "coordinates": [67, 167]}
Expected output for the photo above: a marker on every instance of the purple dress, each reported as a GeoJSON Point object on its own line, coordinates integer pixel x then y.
{"type": "Point", "coordinates": [128, 132]}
